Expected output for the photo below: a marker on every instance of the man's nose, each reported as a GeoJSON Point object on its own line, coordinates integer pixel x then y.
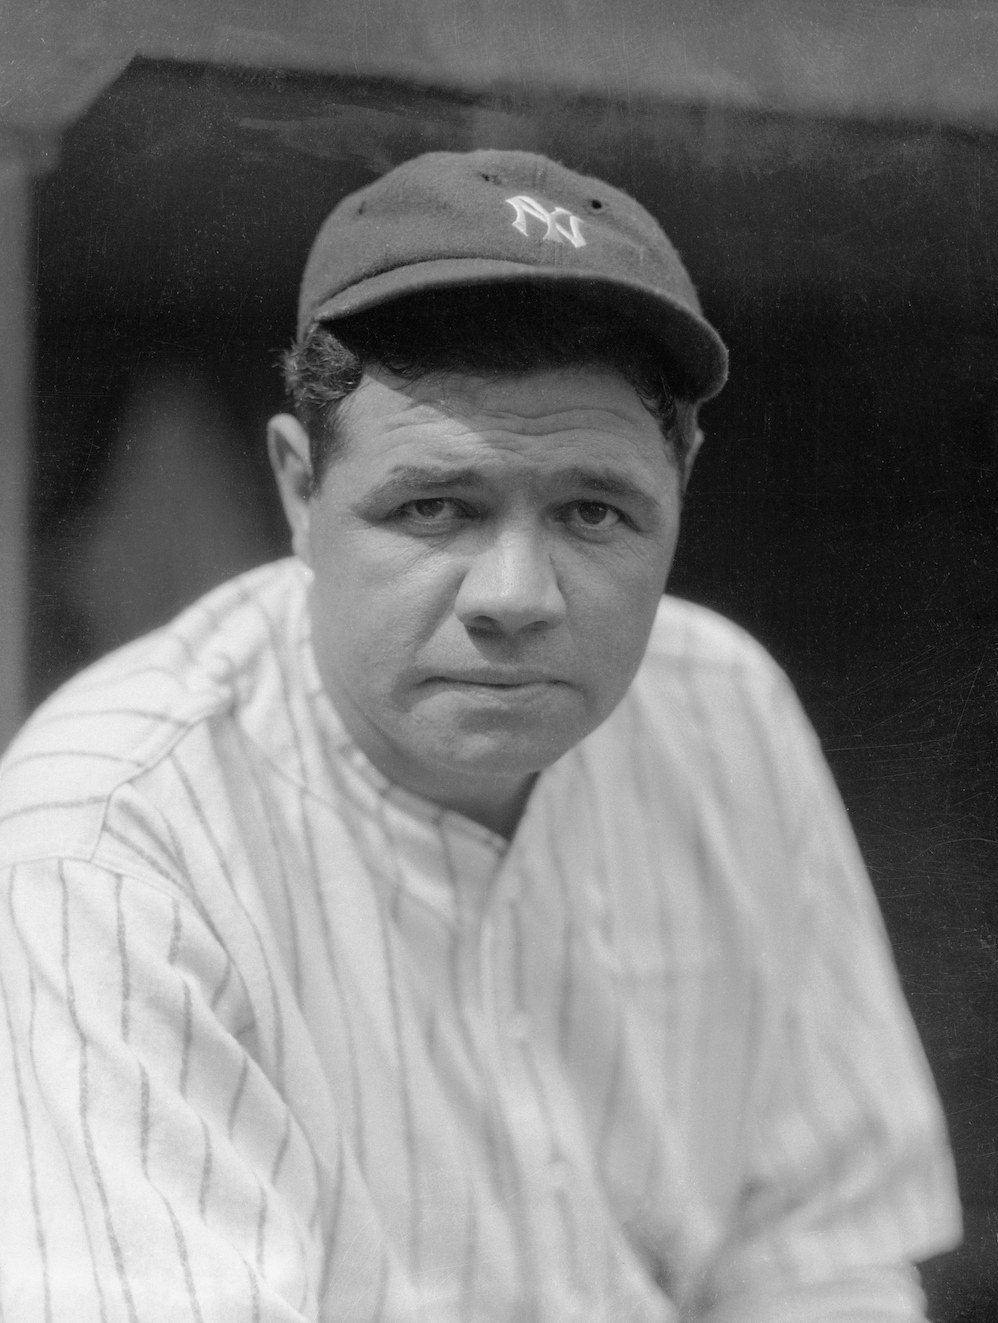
{"type": "Point", "coordinates": [511, 585]}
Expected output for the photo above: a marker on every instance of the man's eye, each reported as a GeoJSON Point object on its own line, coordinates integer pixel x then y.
{"type": "Point", "coordinates": [430, 510]}
{"type": "Point", "coordinates": [593, 515]}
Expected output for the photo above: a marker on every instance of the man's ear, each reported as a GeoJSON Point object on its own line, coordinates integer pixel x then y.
{"type": "Point", "coordinates": [287, 446]}
{"type": "Point", "coordinates": [691, 455]}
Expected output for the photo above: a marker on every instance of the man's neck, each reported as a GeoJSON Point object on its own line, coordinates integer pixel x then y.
{"type": "Point", "coordinates": [501, 813]}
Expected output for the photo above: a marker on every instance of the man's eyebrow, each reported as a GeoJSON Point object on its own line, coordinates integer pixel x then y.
{"type": "Point", "coordinates": [418, 477]}
{"type": "Point", "coordinates": [401, 482]}
{"type": "Point", "coordinates": [431, 475]}
{"type": "Point", "coordinates": [609, 482]}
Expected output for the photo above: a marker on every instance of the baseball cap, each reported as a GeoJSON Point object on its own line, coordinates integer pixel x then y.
{"type": "Point", "coordinates": [459, 219]}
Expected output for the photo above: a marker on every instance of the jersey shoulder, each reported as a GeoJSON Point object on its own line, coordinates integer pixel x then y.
{"type": "Point", "coordinates": [706, 681]}
{"type": "Point", "coordinates": [687, 636]}
{"type": "Point", "coordinates": [118, 718]}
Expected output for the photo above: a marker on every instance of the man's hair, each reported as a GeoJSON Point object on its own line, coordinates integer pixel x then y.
{"type": "Point", "coordinates": [495, 330]}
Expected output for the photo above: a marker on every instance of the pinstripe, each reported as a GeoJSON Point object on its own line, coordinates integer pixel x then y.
{"type": "Point", "coordinates": [83, 1109]}
{"type": "Point", "coordinates": [198, 807]}
{"type": "Point", "coordinates": [473, 1052]}
{"type": "Point", "coordinates": [405, 1093]}
{"type": "Point", "coordinates": [569, 1223]}
{"type": "Point", "coordinates": [185, 877]}
{"type": "Point", "coordinates": [45, 718]}
{"type": "Point", "coordinates": [254, 1292]}
{"type": "Point", "coordinates": [472, 1048]}
{"type": "Point", "coordinates": [667, 897]}
{"type": "Point", "coordinates": [282, 1150]}
{"type": "Point", "coordinates": [145, 1121]}
{"type": "Point", "coordinates": [528, 1052]}
{"type": "Point", "coordinates": [303, 1259]}
{"type": "Point", "coordinates": [432, 1033]}
{"type": "Point", "coordinates": [332, 963]}
{"type": "Point", "coordinates": [685, 1044]}
{"type": "Point", "coordinates": [278, 858]}
{"type": "Point", "coordinates": [56, 755]}
{"type": "Point", "coordinates": [611, 1097]}
{"type": "Point", "coordinates": [185, 1051]}
{"type": "Point", "coordinates": [316, 1164]}
{"type": "Point", "coordinates": [223, 983]}
{"type": "Point", "coordinates": [261, 1226]}
{"type": "Point", "coordinates": [176, 931]}
{"type": "Point", "coordinates": [756, 1033]}
{"type": "Point", "coordinates": [237, 1098]}
{"type": "Point", "coordinates": [32, 991]}
{"type": "Point", "coordinates": [567, 1218]}
{"type": "Point", "coordinates": [763, 745]}
{"type": "Point", "coordinates": [526, 1048]}
{"type": "Point", "coordinates": [332, 1239]}
{"type": "Point", "coordinates": [85, 1222]}
{"type": "Point", "coordinates": [552, 861]}
{"type": "Point", "coordinates": [606, 899]}
{"type": "Point", "coordinates": [391, 851]}
{"type": "Point", "coordinates": [469, 1260]}
{"type": "Point", "coordinates": [187, 1014]}
{"type": "Point", "coordinates": [314, 1215]}
{"type": "Point", "coordinates": [511, 1189]}
{"type": "Point", "coordinates": [185, 1260]}
{"type": "Point", "coordinates": [206, 1168]}
{"type": "Point", "coordinates": [126, 980]}
{"type": "Point", "coordinates": [306, 1275]}
{"type": "Point", "coordinates": [600, 841]}
{"type": "Point", "coordinates": [517, 956]}
{"type": "Point", "coordinates": [841, 972]}
{"type": "Point", "coordinates": [710, 754]}
{"type": "Point", "coordinates": [29, 1146]}
{"type": "Point", "coordinates": [813, 1111]}
{"type": "Point", "coordinates": [857, 1082]}
{"type": "Point", "coordinates": [275, 647]}
{"type": "Point", "coordinates": [707, 772]}
{"type": "Point", "coordinates": [653, 1177]}
{"type": "Point", "coordinates": [813, 1101]}
{"type": "Point", "coordinates": [26, 810]}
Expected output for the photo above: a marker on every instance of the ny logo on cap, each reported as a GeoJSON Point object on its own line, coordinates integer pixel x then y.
{"type": "Point", "coordinates": [557, 230]}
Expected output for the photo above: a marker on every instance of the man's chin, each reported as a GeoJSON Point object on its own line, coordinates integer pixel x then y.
{"type": "Point", "coordinates": [487, 756]}
{"type": "Point", "coordinates": [479, 761]}
{"type": "Point", "coordinates": [499, 733]}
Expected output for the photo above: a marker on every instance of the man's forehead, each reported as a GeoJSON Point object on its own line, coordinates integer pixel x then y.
{"type": "Point", "coordinates": [570, 431]}
{"type": "Point", "coordinates": [550, 398]}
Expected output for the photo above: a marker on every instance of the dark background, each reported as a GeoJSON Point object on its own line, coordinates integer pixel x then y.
{"type": "Point", "coordinates": [843, 509]}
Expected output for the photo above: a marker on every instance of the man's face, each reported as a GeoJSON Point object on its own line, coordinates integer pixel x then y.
{"type": "Point", "coordinates": [488, 557]}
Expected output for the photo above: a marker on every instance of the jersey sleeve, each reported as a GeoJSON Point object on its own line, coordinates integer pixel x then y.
{"type": "Point", "coordinates": [848, 1177]}
{"type": "Point", "coordinates": [152, 1171]}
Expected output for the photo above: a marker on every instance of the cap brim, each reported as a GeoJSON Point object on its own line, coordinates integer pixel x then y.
{"type": "Point", "coordinates": [689, 340]}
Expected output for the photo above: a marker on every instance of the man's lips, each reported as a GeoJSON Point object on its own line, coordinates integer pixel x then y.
{"type": "Point", "coordinates": [498, 679]}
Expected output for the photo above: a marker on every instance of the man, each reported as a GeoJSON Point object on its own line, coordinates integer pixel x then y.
{"type": "Point", "coordinates": [442, 925]}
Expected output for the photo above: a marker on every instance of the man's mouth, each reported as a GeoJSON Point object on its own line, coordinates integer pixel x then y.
{"type": "Point", "coordinates": [500, 679]}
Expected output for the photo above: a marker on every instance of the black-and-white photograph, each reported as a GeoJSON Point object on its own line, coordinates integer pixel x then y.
{"type": "Point", "coordinates": [499, 662]}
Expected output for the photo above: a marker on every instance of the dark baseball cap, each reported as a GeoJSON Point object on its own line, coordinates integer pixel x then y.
{"type": "Point", "coordinates": [459, 219]}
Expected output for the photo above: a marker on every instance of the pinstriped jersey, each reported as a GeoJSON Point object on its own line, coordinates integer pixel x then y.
{"type": "Point", "coordinates": [282, 1041]}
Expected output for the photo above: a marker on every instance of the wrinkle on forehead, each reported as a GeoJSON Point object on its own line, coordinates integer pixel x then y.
{"type": "Point", "coordinates": [461, 406]}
